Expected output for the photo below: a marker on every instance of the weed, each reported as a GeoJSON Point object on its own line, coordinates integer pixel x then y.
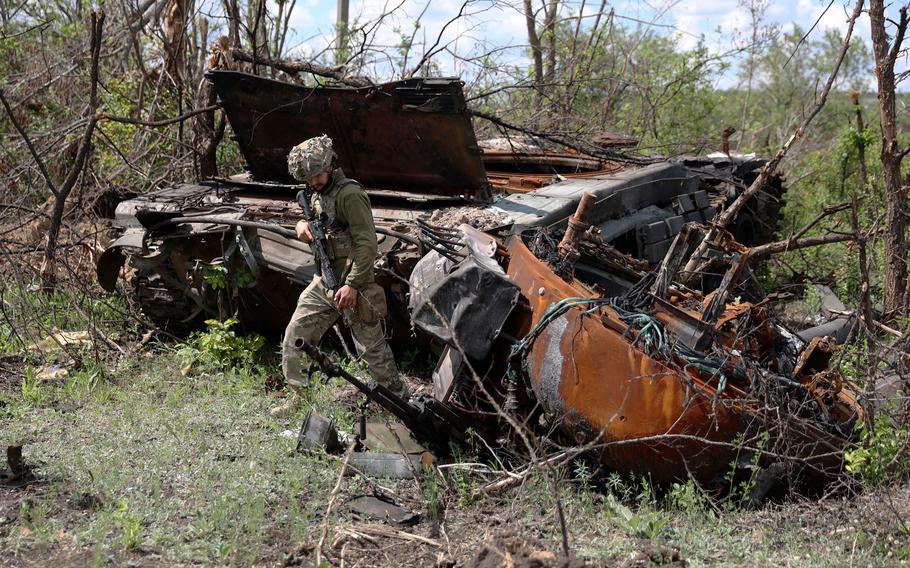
{"type": "Point", "coordinates": [32, 391]}
{"type": "Point", "coordinates": [878, 457]}
{"type": "Point", "coordinates": [34, 518]}
{"type": "Point", "coordinates": [220, 347]}
{"type": "Point", "coordinates": [643, 524]}
{"type": "Point", "coordinates": [130, 525]}
{"type": "Point", "coordinates": [431, 492]}
{"type": "Point", "coordinates": [740, 488]}
{"type": "Point", "coordinates": [617, 485]}
{"type": "Point", "coordinates": [686, 498]}
{"type": "Point", "coordinates": [462, 481]}
{"type": "Point", "coordinates": [217, 276]}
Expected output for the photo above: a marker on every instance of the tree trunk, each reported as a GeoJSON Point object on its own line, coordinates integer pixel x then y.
{"type": "Point", "coordinates": [895, 192]}
{"type": "Point", "coordinates": [48, 266]}
{"type": "Point", "coordinates": [536, 52]}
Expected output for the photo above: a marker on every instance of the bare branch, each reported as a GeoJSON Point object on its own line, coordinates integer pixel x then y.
{"type": "Point", "coordinates": [795, 244]}
{"type": "Point", "coordinates": [156, 123]}
{"type": "Point", "coordinates": [433, 51]}
{"type": "Point", "coordinates": [898, 36]}
{"type": "Point", "coordinates": [47, 266]}
{"type": "Point", "coordinates": [766, 173]}
{"type": "Point", "coordinates": [28, 142]}
{"type": "Point", "coordinates": [296, 66]}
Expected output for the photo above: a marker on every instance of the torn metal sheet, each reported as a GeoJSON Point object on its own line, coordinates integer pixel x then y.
{"type": "Point", "coordinates": [395, 466]}
{"type": "Point", "coordinates": [372, 507]}
{"type": "Point", "coordinates": [318, 433]}
{"type": "Point", "coordinates": [390, 438]}
{"type": "Point", "coordinates": [413, 135]}
{"type": "Point", "coordinates": [464, 304]}
{"type": "Point", "coordinates": [621, 377]}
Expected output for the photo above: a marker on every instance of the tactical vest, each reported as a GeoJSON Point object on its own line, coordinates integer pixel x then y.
{"type": "Point", "coordinates": [338, 235]}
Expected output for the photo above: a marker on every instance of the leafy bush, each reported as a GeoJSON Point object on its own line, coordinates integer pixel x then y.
{"type": "Point", "coordinates": [220, 347]}
{"type": "Point", "coordinates": [880, 455]}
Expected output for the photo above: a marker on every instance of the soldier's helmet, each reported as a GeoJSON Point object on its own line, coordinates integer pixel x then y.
{"type": "Point", "coordinates": [311, 157]}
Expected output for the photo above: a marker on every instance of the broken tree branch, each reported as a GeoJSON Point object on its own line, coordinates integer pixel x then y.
{"type": "Point", "coordinates": [156, 123]}
{"type": "Point", "coordinates": [298, 66]}
{"type": "Point", "coordinates": [830, 210]}
{"type": "Point", "coordinates": [557, 139]}
{"type": "Point", "coordinates": [770, 168]}
{"type": "Point", "coordinates": [332, 497]}
{"type": "Point", "coordinates": [795, 244]}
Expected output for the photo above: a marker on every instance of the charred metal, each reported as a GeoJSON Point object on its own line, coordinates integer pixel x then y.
{"type": "Point", "coordinates": [557, 304]}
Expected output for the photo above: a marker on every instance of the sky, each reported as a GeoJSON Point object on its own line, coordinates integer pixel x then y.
{"type": "Point", "coordinates": [501, 23]}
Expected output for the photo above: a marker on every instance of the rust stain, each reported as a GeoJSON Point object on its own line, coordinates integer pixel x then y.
{"type": "Point", "coordinates": [593, 377]}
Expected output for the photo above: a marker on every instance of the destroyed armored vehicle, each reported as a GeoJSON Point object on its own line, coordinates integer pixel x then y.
{"type": "Point", "coordinates": [544, 280]}
{"type": "Point", "coordinates": [657, 379]}
{"type": "Point", "coordinates": [412, 144]}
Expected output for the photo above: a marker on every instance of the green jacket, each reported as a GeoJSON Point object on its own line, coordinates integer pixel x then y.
{"type": "Point", "coordinates": [350, 229]}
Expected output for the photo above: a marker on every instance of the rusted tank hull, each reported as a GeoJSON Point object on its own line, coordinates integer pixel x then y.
{"type": "Point", "coordinates": [600, 388]}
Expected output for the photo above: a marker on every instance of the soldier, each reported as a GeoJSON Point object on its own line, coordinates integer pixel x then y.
{"type": "Point", "coordinates": [345, 210]}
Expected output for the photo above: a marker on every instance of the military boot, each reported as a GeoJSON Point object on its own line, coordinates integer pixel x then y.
{"type": "Point", "coordinates": [293, 399]}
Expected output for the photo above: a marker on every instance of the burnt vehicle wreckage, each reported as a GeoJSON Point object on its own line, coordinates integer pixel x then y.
{"type": "Point", "coordinates": [546, 281]}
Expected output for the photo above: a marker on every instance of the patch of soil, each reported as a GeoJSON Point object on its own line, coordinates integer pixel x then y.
{"type": "Point", "coordinates": [520, 553]}
{"type": "Point", "coordinates": [55, 554]}
{"type": "Point", "coordinates": [652, 554]}
{"type": "Point", "coordinates": [12, 367]}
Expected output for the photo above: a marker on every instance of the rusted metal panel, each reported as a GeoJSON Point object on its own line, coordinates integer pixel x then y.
{"type": "Point", "coordinates": [413, 136]}
{"type": "Point", "coordinates": [600, 384]}
{"type": "Point", "coordinates": [605, 390]}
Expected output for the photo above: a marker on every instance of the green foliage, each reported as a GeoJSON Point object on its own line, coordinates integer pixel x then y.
{"type": "Point", "coordinates": [881, 454]}
{"type": "Point", "coordinates": [462, 481]}
{"type": "Point", "coordinates": [740, 487]}
{"type": "Point", "coordinates": [220, 277]}
{"type": "Point", "coordinates": [243, 278]}
{"type": "Point", "coordinates": [686, 498]}
{"type": "Point", "coordinates": [32, 393]}
{"type": "Point", "coordinates": [129, 524]}
{"type": "Point", "coordinates": [217, 276]}
{"type": "Point", "coordinates": [431, 492]}
{"type": "Point", "coordinates": [34, 517]}
{"type": "Point", "coordinates": [220, 347]}
{"type": "Point", "coordinates": [643, 524]}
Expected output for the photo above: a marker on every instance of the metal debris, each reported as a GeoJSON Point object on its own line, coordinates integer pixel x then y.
{"type": "Point", "coordinates": [375, 508]}
{"type": "Point", "coordinates": [318, 433]}
{"type": "Point", "coordinates": [395, 466]}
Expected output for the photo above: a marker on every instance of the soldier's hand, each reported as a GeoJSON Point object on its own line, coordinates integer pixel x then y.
{"type": "Point", "coordinates": [346, 297]}
{"type": "Point", "coordinates": [303, 232]}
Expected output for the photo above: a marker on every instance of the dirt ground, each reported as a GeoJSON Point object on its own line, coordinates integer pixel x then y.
{"type": "Point", "coordinates": [149, 467]}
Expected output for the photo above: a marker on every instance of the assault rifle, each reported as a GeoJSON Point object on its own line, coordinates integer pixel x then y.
{"type": "Point", "coordinates": [320, 242]}
{"type": "Point", "coordinates": [431, 422]}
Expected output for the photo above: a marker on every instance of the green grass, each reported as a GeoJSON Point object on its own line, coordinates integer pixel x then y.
{"type": "Point", "coordinates": [186, 467]}
{"type": "Point", "coordinates": [144, 464]}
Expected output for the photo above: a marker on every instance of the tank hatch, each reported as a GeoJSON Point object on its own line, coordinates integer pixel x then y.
{"type": "Point", "coordinates": [412, 136]}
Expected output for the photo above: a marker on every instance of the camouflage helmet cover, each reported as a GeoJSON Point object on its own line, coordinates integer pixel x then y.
{"type": "Point", "coordinates": [310, 157]}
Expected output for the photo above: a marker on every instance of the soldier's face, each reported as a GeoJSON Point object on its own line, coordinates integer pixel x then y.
{"type": "Point", "coordinates": [319, 181]}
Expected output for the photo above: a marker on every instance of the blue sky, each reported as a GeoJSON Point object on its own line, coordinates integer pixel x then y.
{"type": "Point", "coordinates": [500, 23]}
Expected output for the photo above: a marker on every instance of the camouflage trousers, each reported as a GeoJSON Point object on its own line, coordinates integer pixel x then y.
{"type": "Point", "coordinates": [316, 313]}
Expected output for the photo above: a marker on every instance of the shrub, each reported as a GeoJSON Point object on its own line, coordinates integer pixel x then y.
{"type": "Point", "coordinates": [880, 455]}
